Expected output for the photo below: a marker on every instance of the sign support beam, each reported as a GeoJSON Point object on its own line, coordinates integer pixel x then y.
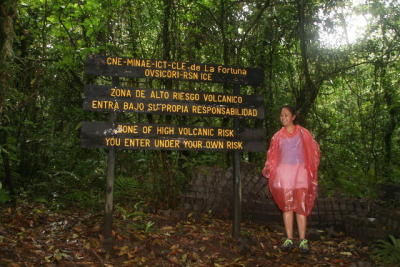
{"type": "Point", "coordinates": [108, 212]}
{"type": "Point", "coordinates": [237, 186]}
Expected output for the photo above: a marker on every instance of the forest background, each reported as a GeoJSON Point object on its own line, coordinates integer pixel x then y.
{"type": "Point", "coordinates": [347, 92]}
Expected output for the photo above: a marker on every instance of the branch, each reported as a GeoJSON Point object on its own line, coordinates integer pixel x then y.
{"type": "Point", "coordinates": [66, 30]}
{"type": "Point", "coordinates": [209, 12]}
{"type": "Point", "coordinates": [254, 22]}
{"type": "Point", "coordinates": [343, 69]}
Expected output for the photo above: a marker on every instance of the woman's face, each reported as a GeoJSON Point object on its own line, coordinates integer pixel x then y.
{"type": "Point", "coordinates": [287, 117]}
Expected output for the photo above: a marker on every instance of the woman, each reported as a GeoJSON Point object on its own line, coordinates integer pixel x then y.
{"type": "Point", "coordinates": [292, 166]}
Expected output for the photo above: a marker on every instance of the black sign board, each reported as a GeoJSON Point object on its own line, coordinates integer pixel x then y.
{"type": "Point", "coordinates": [108, 129]}
{"type": "Point", "coordinates": [170, 137]}
{"type": "Point", "coordinates": [165, 96]}
{"type": "Point", "coordinates": [173, 108]}
{"type": "Point", "coordinates": [172, 143]}
{"type": "Point", "coordinates": [163, 69]}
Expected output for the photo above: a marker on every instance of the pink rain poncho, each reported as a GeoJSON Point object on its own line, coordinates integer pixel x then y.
{"type": "Point", "coordinates": [292, 169]}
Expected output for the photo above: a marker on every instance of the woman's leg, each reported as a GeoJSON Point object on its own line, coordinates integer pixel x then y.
{"type": "Point", "coordinates": [288, 221]}
{"type": "Point", "coordinates": [300, 208]}
{"type": "Point", "coordinates": [302, 225]}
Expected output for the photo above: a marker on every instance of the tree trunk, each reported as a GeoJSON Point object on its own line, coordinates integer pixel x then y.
{"type": "Point", "coordinates": [308, 91]}
{"type": "Point", "coordinates": [8, 181]}
{"type": "Point", "coordinates": [388, 91]}
{"type": "Point", "coordinates": [7, 15]}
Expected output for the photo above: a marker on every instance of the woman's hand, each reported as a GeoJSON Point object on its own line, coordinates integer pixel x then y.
{"type": "Point", "coordinates": [264, 172]}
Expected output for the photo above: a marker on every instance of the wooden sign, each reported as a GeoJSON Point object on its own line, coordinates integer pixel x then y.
{"type": "Point", "coordinates": [108, 129]}
{"type": "Point", "coordinates": [172, 143]}
{"type": "Point", "coordinates": [167, 137]}
{"type": "Point", "coordinates": [114, 135]}
{"type": "Point", "coordinates": [172, 108]}
{"type": "Point", "coordinates": [175, 70]}
{"type": "Point", "coordinates": [165, 96]}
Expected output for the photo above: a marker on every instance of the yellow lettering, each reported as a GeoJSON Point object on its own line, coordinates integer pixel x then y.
{"type": "Point", "coordinates": [144, 63]}
{"type": "Point", "coordinates": [190, 75]}
{"type": "Point", "coordinates": [133, 106]}
{"type": "Point", "coordinates": [209, 68]}
{"type": "Point", "coordinates": [193, 144]}
{"type": "Point", "coordinates": [223, 98]}
{"type": "Point", "coordinates": [159, 94]}
{"type": "Point", "coordinates": [137, 142]}
{"type": "Point", "coordinates": [160, 64]}
{"type": "Point", "coordinates": [236, 145]}
{"type": "Point", "coordinates": [185, 96]}
{"type": "Point", "coordinates": [221, 110]}
{"type": "Point", "coordinates": [196, 131]}
{"type": "Point", "coordinates": [215, 144]}
{"type": "Point", "coordinates": [130, 61]}
{"type": "Point", "coordinates": [206, 76]}
{"type": "Point", "coordinates": [231, 70]}
{"type": "Point", "coordinates": [166, 143]}
{"type": "Point", "coordinates": [164, 130]}
{"type": "Point", "coordinates": [117, 92]}
{"type": "Point", "coordinates": [178, 65]}
{"type": "Point", "coordinates": [225, 132]}
{"type": "Point", "coordinates": [104, 104]}
{"type": "Point", "coordinates": [147, 129]}
{"type": "Point", "coordinates": [114, 61]}
{"type": "Point", "coordinates": [195, 67]}
{"type": "Point", "coordinates": [140, 94]}
{"type": "Point", "coordinates": [127, 129]}
{"type": "Point", "coordinates": [112, 141]}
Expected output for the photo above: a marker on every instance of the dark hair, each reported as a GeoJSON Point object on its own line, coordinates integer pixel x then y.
{"type": "Point", "coordinates": [292, 110]}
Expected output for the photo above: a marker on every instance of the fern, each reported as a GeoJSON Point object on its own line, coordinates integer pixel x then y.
{"type": "Point", "coordinates": [388, 252]}
{"type": "Point", "coordinates": [4, 197]}
{"type": "Point", "coordinates": [127, 189]}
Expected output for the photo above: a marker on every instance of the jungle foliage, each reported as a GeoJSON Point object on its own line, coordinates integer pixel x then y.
{"type": "Point", "coordinates": [348, 96]}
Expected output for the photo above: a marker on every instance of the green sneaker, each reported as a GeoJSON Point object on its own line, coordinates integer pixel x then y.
{"type": "Point", "coordinates": [304, 247]}
{"type": "Point", "coordinates": [287, 245]}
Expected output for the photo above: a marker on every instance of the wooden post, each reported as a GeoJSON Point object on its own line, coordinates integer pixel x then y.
{"type": "Point", "coordinates": [237, 187]}
{"type": "Point", "coordinates": [108, 214]}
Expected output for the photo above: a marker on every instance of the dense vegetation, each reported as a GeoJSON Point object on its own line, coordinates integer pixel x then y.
{"type": "Point", "coordinates": [347, 95]}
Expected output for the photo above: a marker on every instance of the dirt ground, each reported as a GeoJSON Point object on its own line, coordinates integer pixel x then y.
{"type": "Point", "coordinates": [33, 235]}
